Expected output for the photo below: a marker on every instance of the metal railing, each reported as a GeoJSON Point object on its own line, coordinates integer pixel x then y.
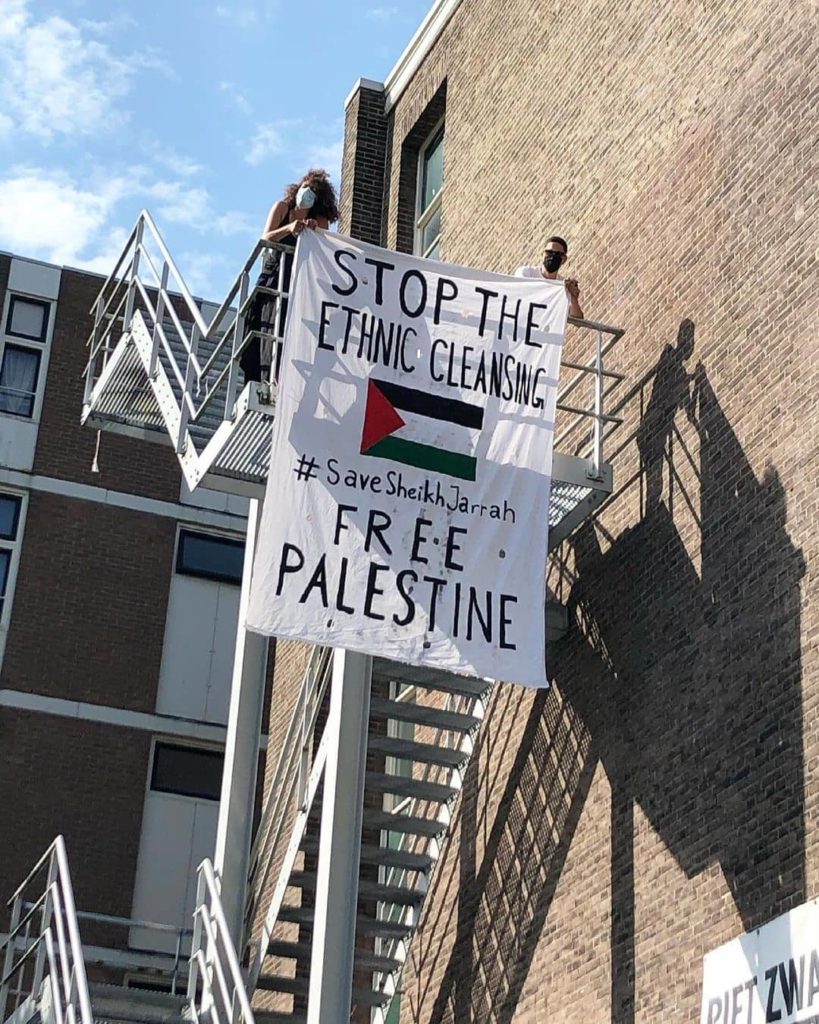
{"type": "Point", "coordinates": [45, 934]}
{"type": "Point", "coordinates": [287, 807]}
{"type": "Point", "coordinates": [419, 807]}
{"type": "Point", "coordinates": [216, 987]}
{"type": "Point", "coordinates": [203, 370]}
{"type": "Point", "coordinates": [602, 382]}
{"type": "Point", "coordinates": [173, 966]}
{"type": "Point", "coordinates": [138, 287]}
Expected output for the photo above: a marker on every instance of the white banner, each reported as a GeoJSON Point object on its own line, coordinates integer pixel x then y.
{"type": "Point", "coordinates": [407, 503]}
{"type": "Point", "coordinates": [771, 974]}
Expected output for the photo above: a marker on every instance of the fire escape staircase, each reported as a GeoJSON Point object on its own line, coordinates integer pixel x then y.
{"type": "Point", "coordinates": [47, 971]}
{"type": "Point", "coordinates": [163, 366]}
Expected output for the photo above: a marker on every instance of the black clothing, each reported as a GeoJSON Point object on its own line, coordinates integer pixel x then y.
{"type": "Point", "coordinates": [258, 358]}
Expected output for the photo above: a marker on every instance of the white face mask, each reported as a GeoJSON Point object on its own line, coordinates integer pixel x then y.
{"type": "Point", "coordinates": [305, 197]}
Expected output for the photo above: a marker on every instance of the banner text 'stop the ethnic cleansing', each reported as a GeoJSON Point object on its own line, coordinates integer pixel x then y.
{"type": "Point", "coordinates": [497, 374]}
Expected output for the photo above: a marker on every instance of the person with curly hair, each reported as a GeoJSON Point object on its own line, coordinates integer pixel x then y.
{"type": "Point", "coordinates": [309, 203]}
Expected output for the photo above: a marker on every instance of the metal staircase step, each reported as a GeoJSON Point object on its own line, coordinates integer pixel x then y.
{"type": "Point", "coordinates": [390, 894]}
{"type": "Point", "coordinates": [409, 823]}
{"type": "Point", "coordinates": [371, 890]}
{"type": "Point", "coordinates": [280, 983]}
{"type": "Point", "coordinates": [278, 1017]}
{"type": "Point", "coordinates": [405, 785]}
{"type": "Point", "coordinates": [363, 958]}
{"type": "Point", "coordinates": [365, 925]}
{"type": "Point", "coordinates": [428, 678]}
{"type": "Point", "coordinates": [409, 750]}
{"type": "Point", "coordinates": [385, 929]}
{"type": "Point", "coordinates": [382, 856]}
{"type": "Point", "coordinates": [422, 714]}
{"type": "Point", "coordinates": [301, 986]}
{"type": "Point", "coordinates": [115, 1002]}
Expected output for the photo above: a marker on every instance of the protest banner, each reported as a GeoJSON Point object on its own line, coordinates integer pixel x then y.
{"type": "Point", "coordinates": [406, 512]}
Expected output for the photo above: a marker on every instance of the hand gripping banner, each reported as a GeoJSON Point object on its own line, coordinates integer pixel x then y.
{"type": "Point", "coordinates": [406, 511]}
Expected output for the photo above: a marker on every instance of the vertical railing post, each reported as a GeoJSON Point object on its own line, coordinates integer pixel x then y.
{"type": "Point", "coordinates": [92, 354]}
{"type": "Point", "coordinates": [184, 405]}
{"type": "Point", "coordinates": [160, 312]}
{"type": "Point", "coordinates": [129, 302]}
{"type": "Point", "coordinates": [196, 938]}
{"type": "Point", "coordinates": [599, 381]}
{"type": "Point", "coordinates": [8, 960]}
{"type": "Point", "coordinates": [45, 922]}
{"type": "Point", "coordinates": [238, 338]}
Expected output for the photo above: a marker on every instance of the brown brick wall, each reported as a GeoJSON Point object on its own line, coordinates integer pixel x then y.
{"type": "Point", "coordinates": [660, 799]}
{"type": "Point", "coordinates": [64, 448]}
{"type": "Point", "coordinates": [90, 603]}
{"type": "Point", "coordinates": [90, 786]}
{"type": "Point", "coordinates": [362, 173]}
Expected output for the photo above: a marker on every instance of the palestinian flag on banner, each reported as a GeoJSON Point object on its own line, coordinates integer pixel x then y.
{"type": "Point", "coordinates": [422, 430]}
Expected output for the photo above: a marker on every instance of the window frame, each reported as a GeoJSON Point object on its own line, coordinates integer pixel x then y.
{"type": "Point", "coordinates": [44, 304]}
{"type": "Point", "coordinates": [14, 545]}
{"type": "Point", "coordinates": [423, 217]}
{"type": "Point", "coordinates": [31, 396]}
{"type": "Point", "coordinates": [181, 744]}
{"type": "Point", "coordinates": [40, 346]}
{"type": "Point", "coordinates": [214, 577]}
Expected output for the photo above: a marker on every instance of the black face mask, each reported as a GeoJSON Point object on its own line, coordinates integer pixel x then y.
{"type": "Point", "coordinates": [552, 261]}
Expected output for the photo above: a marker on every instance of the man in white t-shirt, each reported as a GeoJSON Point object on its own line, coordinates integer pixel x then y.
{"type": "Point", "coordinates": [554, 256]}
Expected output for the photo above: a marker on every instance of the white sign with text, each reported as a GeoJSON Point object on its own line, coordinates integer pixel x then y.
{"type": "Point", "coordinates": [770, 976]}
{"type": "Point", "coordinates": [406, 511]}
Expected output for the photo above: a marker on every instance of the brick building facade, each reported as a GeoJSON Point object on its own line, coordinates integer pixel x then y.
{"type": "Point", "coordinates": [660, 798]}
{"type": "Point", "coordinates": [118, 602]}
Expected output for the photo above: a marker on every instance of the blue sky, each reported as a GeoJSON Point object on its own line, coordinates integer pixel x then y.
{"type": "Point", "coordinates": [199, 111]}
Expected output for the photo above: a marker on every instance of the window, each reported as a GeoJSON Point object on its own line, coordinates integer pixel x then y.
{"type": "Point", "coordinates": [210, 557]}
{"type": "Point", "coordinates": [19, 371]}
{"type": "Point", "coordinates": [429, 195]}
{"type": "Point", "coordinates": [10, 505]}
{"type": "Point", "coordinates": [26, 319]}
{"type": "Point", "coordinates": [187, 771]}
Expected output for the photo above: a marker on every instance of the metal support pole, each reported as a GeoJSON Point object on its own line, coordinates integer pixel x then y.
{"type": "Point", "coordinates": [331, 964]}
{"type": "Point", "coordinates": [233, 833]}
{"type": "Point", "coordinates": [599, 382]}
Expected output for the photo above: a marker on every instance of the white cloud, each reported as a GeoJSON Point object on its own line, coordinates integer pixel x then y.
{"type": "Point", "coordinates": [268, 141]}
{"type": "Point", "coordinates": [382, 13]}
{"type": "Point", "coordinates": [53, 216]}
{"type": "Point", "coordinates": [247, 16]}
{"type": "Point", "coordinates": [236, 96]}
{"type": "Point", "coordinates": [206, 274]}
{"type": "Point", "coordinates": [47, 214]}
{"type": "Point", "coordinates": [179, 165]}
{"type": "Point", "coordinates": [58, 79]}
{"type": "Point", "coordinates": [329, 157]}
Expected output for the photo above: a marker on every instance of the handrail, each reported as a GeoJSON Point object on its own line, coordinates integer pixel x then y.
{"type": "Point", "coordinates": [293, 790]}
{"type": "Point", "coordinates": [215, 956]}
{"type": "Point", "coordinates": [203, 346]}
{"type": "Point", "coordinates": [55, 905]}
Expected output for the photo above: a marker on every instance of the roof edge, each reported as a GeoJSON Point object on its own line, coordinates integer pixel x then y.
{"type": "Point", "coordinates": [408, 63]}
{"type": "Point", "coordinates": [363, 83]}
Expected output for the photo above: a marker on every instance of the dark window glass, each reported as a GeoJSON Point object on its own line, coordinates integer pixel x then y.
{"type": "Point", "coordinates": [18, 380]}
{"type": "Point", "coordinates": [27, 318]}
{"type": "Point", "coordinates": [5, 562]}
{"type": "Point", "coordinates": [433, 170]}
{"type": "Point", "coordinates": [9, 516]}
{"type": "Point", "coordinates": [187, 771]}
{"type": "Point", "coordinates": [212, 558]}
